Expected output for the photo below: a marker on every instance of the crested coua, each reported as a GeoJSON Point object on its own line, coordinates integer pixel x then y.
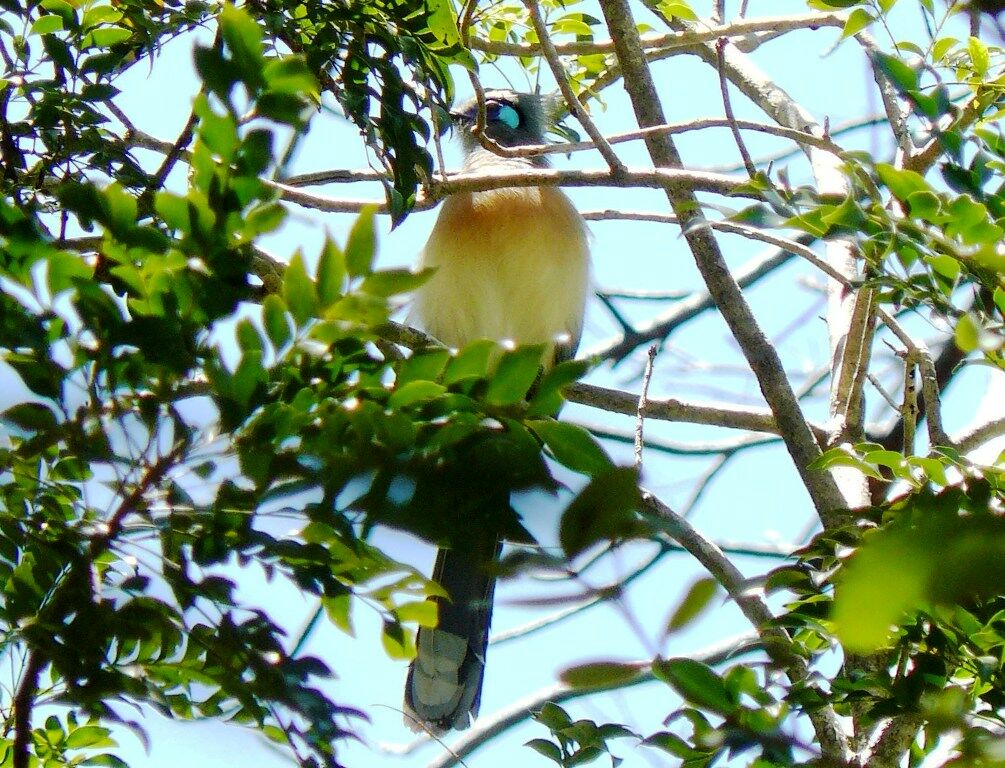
{"type": "Point", "coordinates": [510, 265]}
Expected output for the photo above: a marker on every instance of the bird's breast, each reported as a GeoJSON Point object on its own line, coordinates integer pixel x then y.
{"type": "Point", "coordinates": [510, 264]}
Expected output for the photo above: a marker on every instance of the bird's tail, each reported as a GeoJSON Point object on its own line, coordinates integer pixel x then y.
{"type": "Point", "coordinates": [444, 684]}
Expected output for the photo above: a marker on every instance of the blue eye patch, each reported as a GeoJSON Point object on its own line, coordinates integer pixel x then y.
{"type": "Point", "coordinates": [504, 114]}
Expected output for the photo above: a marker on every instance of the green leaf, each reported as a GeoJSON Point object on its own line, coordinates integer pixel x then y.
{"type": "Point", "coordinates": [106, 37]}
{"type": "Point", "coordinates": [89, 737]}
{"type": "Point", "coordinates": [670, 743]}
{"type": "Point", "coordinates": [967, 333]}
{"type": "Point", "coordinates": [247, 337]}
{"type": "Point", "coordinates": [548, 397]}
{"type": "Point", "coordinates": [697, 599]}
{"type": "Point", "coordinates": [331, 273]}
{"type": "Point", "coordinates": [244, 41]}
{"type": "Point", "coordinates": [389, 282]}
{"type": "Point", "coordinates": [397, 644]}
{"type": "Point", "coordinates": [423, 365]}
{"type": "Point", "coordinates": [584, 756]}
{"type": "Point", "coordinates": [903, 183]}
{"type": "Point", "coordinates": [106, 760]}
{"type": "Point", "coordinates": [414, 392]}
{"type": "Point", "coordinates": [45, 25]}
{"type": "Point", "coordinates": [600, 674]}
{"type": "Point", "coordinates": [298, 290]}
{"type": "Point", "coordinates": [100, 14]}
{"type": "Point", "coordinates": [979, 56]}
{"type": "Point", "coordinates": [277, 326]}
{"type": "Point", "coordinates": [603, 511]}
{"type": "Point", "coordinates": [573, 446]}
{"type": "Point", "coordinates": [443, 22]}
{"type": "Point", "coordinates": [174, 210]}
{"type": "Point", "coordinates": [903, 77]}
{"type": "Point", "coordinates": [697, 683]}
{"type": "Point", "coordinates": [515, 375]}
{"type": "Point", "coordinates": [881, 583]}
{"type": "Point", "coordinates": [218, 132]}
{"type": "Point", "coordinates": [470, 362]}
{"type": "Point", "coordinates": [546, 748]}
{"type": "Point", "coordinates": [262, 219]}
{"type": "Point", "coordinates": [33, 417]}
{"type": "Point", "coordinates": [339, 611]}
{"type": "Point", "coordinates": [361, 247]}
{"type": "Point", "coordinates": [290, 75]}
{"type": "Point", "coordinates": [121, 207]}
{"type": "Point", "coordinates": [422, 612]}
{"type": "Point", "coordinates": [858, 20]}
{"type": "Point", "coordinates": [553, 717]}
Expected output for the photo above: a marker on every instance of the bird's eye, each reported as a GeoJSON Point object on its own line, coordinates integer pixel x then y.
{"type": "Point", "coordinates": [503, 113]}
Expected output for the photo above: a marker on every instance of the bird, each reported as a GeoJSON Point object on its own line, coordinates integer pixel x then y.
{"type": "Point", "coordinates": [512, 265]}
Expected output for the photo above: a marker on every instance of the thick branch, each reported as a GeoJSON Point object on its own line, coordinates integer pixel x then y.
{"type": "Point", "coordinates": [23, 703]}
{"type": "Point", "coordinates": [761, 356]}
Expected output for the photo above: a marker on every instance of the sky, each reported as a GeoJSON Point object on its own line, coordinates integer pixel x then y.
{"type": "Point", "coordinates": [755, 499]}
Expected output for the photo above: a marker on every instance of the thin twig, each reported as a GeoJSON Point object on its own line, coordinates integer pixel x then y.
{"type": "Point", "coordinates": [720, 46]}
{"type": "Point", "coordinates": [640, 411]}
{"type": "Point", "coordinates": [173, 155]}
{"type": "Point", "coordinates": [660, 326]}
{"type": "Point", "coordinates": [571, 100]}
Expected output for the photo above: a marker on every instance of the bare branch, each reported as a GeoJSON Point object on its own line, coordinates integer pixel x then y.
{"type": "Point", "coordinates": [672, 40]}
{"type": "Point", "coordinates": [22, 704]}
{"type": "Point", "coordinates": [547, 177]}
{"type": "Point", "coordinates": [720, 45]}
{"type": "Point", "coordinates": [777, 643]}
{"type": "Point", "coordinates": [626, 403]}
{"type": "Point", "coordinates": [642, 407]}
{"type": "Point", "coordinates": [895, 741]}
{"type": "Point", "coordinates": [661, 325]}
{"type": "Point", "coordinates": [728, 297]}
{"type": "Point", "coordinates": [981, 434]}
{"type": "Point", "coordinates": [571, 100]}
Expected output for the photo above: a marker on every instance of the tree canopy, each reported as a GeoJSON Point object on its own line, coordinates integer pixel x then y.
{"type": "Point", "coordinates": [178, 397]}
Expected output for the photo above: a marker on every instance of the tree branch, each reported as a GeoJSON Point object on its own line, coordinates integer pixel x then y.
{"type": "Point", "coordinates": [562, 78]}
{"type": "Point", "coordinates": [777, 644]}
{"type": "Point", "coordinates": [671, 40]}
{"type": "Point", "coordinates": [761, 356]}
{"type": "Point", "coordinates": [656, 178]}
{"type": "Point", "coordinates": [626, 403]}
{"type": "Point", "coordinates": [23, 704]}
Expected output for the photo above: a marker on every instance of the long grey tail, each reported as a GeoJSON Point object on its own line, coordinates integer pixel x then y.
{"type": "Point", "coordinates": [444, 684]}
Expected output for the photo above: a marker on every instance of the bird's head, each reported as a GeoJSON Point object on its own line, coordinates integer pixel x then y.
{"type": "Point", "coordinates": [511, 119]}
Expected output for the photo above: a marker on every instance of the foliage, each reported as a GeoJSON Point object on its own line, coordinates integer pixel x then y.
{"type": "Point", "coordinates": [182, 399]}
{"type": "Point", "coordinates": [151, 458]}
